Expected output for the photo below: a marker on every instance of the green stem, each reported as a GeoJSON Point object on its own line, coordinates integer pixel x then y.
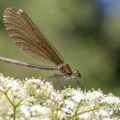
{"type": "Point", "coordinates": [14, 113]}
{"type": "Point", "coordinates": [78, 106]}
{"type": "Point", "coordinates": [9, 99]}
{"type": "Point", "coordinates": [82, 113]}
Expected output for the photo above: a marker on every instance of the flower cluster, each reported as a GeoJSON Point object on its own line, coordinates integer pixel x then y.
{"type": "Point", "coordinates": [33, 99]}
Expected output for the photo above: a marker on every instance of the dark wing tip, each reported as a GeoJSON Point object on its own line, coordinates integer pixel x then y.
{"type": "Point", "coordinates": [13, 8]}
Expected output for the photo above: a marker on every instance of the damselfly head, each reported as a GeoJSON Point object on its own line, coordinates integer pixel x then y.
{"type": "Point", "coordinates": [77, 73]}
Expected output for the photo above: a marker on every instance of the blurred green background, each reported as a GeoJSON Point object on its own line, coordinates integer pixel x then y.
{"type": "Point", "coordinates": [86, 34]}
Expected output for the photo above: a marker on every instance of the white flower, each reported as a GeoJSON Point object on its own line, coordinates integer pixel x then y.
{"type": "Point", "coordinates": [36, 100]}
{"type": "Point", "coordinates": [78, 96]}
{"type": "Point", "coordinates": [70, 104]}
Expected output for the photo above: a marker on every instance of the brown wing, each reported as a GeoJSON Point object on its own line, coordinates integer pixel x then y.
{"type": "Point", "coordinates": [28, 37]}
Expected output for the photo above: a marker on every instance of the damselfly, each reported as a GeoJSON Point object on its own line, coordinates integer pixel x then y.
{"type": "Point", "coordinates": [31, 41]}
